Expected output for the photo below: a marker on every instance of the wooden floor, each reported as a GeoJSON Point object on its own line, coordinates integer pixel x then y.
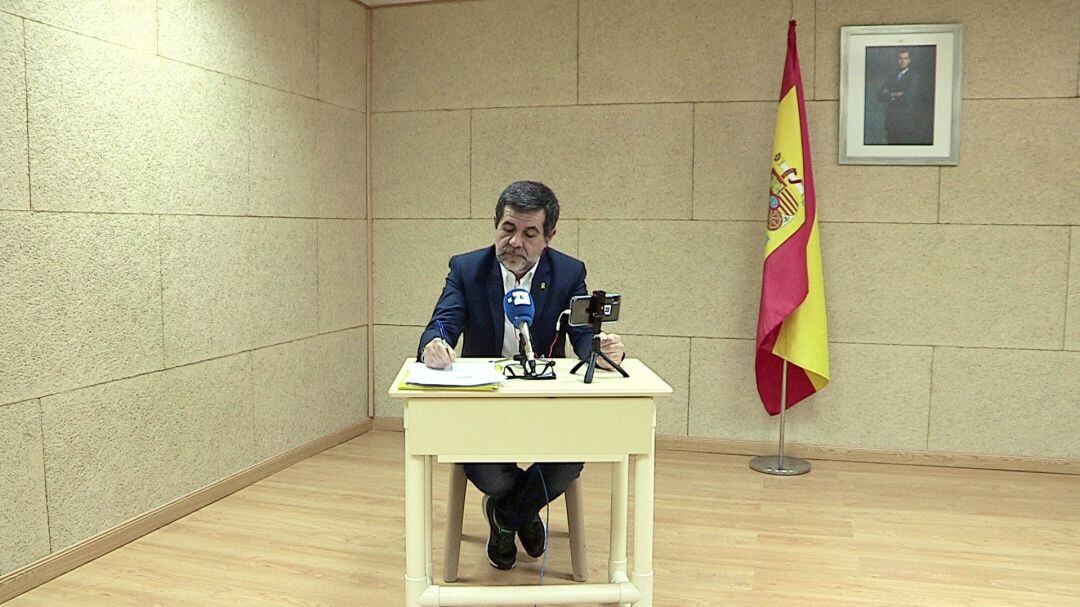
{"type": "Point", "coordinates": [329, 531]}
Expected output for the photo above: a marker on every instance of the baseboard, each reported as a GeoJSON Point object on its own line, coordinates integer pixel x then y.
{"type": "Point", "coordinates": [59, 563]}
{"type": "Point", "coordinates": [872, 456]}
{"type": "Point", "coordinates": [388, 424]}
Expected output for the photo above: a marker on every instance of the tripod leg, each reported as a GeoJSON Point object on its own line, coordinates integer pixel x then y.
{"type": "Point", "coordinates": [577, 366]}
{"type": "Point", "coordinates": [614, 365]}
{"type": "Point", "coordinates": [592, 368]}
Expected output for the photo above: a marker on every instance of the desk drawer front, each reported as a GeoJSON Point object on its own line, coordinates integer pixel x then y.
{"type": "Point", "coordinates": [489, 428]}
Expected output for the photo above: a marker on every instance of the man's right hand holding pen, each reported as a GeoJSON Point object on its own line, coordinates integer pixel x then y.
{"type": "Point", "coordinates": [438, 353]}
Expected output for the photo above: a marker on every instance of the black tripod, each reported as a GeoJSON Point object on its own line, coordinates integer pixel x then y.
{"type": "Point", "coordinates": [596, 318]}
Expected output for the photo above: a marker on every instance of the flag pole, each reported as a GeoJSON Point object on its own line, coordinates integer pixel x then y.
{"type": "Point", "coordinates": [775, 464]}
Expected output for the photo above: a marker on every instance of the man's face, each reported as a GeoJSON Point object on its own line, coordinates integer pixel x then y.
{"type": "Point", "coordinates": [903, 60]}
{"type": "Point", "coordinates": [519, 239]}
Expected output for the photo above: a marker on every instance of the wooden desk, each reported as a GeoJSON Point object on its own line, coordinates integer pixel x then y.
{"type": "Point", "coordinates": [612, 420]}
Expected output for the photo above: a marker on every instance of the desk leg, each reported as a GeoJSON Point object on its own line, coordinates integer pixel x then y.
{"type": "Point", "coordinates": [620, 484]}
{"type": "Point", "coordinates": [642, 575]}
{"type": "Point", "coordinates": [416, 580]}
{"type": "Point", "coordinates": [428, 461]}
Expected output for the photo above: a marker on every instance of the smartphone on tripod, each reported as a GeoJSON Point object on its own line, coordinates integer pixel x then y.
{"type": "Point", "coordinates": [580, 306]}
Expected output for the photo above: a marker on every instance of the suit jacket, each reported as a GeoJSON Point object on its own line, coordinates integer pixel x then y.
{"type": "Point", "coordinates": [472, 303]}
{"type": "Point", "coordinates": [903, 124]}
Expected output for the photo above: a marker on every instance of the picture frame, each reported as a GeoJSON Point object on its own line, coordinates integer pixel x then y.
{"type": "Point", "coordinates": [900, 94]}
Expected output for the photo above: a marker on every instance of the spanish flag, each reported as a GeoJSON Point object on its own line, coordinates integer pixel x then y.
{"type": "Point", "coordinates": [791, 317]}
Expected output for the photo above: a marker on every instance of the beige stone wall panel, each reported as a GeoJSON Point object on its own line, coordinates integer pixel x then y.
{"type": "Point", "coordinates": [117, 450]}
{"type": "Point", "coordinates": [343, 274]}
{"type": "Point", "coordinates": [286, 45]}
{"type": "Point", "coordinates": [678, 278]}
{"type": "Point", "coordinates": [411, 258]}
{"type": "Point", "coordinates": [420, 164]}
{"type": "Point", "coordinates": [879, 397]}
{"type": "Point", "coordinates": [668, 357]}
{"type": "Point", "coordinates": [112, 129]}
{"type": "Point", "coordinates": [393, 344]}
{"type": "Point", "coordinates": [14, 168]}
{"type": "Point", "coordinates": [617, 162]}
{"type": "Point", "coordinates": [343, 34]}
{"type": "Point", "coordinates": [23, 514]}
{"type": "Point", "coordinates": [218, 35]}
{"type": "Point", "coordinates": [635, 51]}
{"type": "Point", "coordinates": [307, 157]}
{"type": "Point", "coordinates": [491, 53]}
{"type": "Point", "coordinates": [977, 286]}
{"type": "Point", "coordinates": [130, 23]}
{"type": "Point", "coordinates": [80, 303]}
{"type": "Point", "coordinates": [1005, 402]}
{"type": "Point", "coordinates": [1018, 164]}
{"type": "Point", "coordinates": [284, 280]}
{"type": "Point", "coordinates": [308, 388]}
{"type": "Point", "coordinates": [206, 287]}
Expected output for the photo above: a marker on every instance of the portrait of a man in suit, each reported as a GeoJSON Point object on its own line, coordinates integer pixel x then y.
{"type": "Point", "coordinates": [900, 96]}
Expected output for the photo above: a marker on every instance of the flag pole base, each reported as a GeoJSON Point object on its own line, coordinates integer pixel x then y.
{"type": "Point", "coordinates": [770, 464]}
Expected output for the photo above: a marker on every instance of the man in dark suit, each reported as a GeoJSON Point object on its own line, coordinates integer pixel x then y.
{"type": "Point", "coordinates": [905, 113]}
{"type": "Point", "coordinates": [471, 303]}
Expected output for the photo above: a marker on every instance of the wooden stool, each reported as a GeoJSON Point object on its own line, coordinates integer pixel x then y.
{"type": "Point", "coordinates": [455, 511]}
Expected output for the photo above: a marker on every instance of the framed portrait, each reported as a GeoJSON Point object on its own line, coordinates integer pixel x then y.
{"type": "Point", "coordinates": [900, 92]}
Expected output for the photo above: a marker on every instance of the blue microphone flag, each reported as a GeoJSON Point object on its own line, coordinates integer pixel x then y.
{"type": "Point", "coordinates": [518, 307]}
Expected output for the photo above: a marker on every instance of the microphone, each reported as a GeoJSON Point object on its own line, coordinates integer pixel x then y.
{"type": "Point", "coordinates": [518, 307]}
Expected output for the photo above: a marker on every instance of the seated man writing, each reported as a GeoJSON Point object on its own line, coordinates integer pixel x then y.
{"type": "Point", "coordinates": [471, 303]}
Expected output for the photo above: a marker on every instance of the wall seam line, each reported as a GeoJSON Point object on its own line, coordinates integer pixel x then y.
{"type": "Point", "coordinates": [693, 158]}
{"type": "Point", "coordinates": [646, 102]}
{"type": "Point", "coordinates": [318, 49]}
{"type": "Point", "coordinates": [369, 206]}
{"type": "Point", "coordinates": [939, 175]}
{"type": "Point", "coordinates": [930, 396]}
{"type": "Point", "coordinates": [689, 383]}
{"type": "Point", "coordinates": [26, 102]}
{"type": "Point", "coordinates": [77, 33]}
{"type": "Point", "coordinates": [45, 474]}
{"type": "Point", "coordinates": [472, 213]}
{"type": "Point", "coordinates": [1068, 284]}
{"type": "Point", "coordinates": [161, 285]}
{"type": "Point", "coordinates": [318, 271]}
{"type": "Point", "coordinates": [181, 365]}
{"type": "Point", "coordinates": [577, 56]}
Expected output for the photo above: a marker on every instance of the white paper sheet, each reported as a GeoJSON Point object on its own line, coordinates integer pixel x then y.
{"type": "Point", "coordinates": [462, 374]}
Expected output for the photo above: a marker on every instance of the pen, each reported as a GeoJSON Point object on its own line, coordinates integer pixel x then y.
{"type": "Point", "coordinates": [442, 334]}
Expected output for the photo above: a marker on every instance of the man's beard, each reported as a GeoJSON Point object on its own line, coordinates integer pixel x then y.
{"type": "Point", "coordinates": [516, 261]}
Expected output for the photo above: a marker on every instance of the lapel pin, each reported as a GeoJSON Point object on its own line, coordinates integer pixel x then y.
{"type": "Point", "coordinates": [543, 286]}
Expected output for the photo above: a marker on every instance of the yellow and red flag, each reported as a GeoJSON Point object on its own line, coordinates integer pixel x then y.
{"type": "Point", "coordinates": [791, 317]}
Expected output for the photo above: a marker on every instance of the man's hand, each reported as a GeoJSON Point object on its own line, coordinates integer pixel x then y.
{"type": "Point", "coordinates": [438, 354]}
{"type": "Point", "coordinates": [612, 345]}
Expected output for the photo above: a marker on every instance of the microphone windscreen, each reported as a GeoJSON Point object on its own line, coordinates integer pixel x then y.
{"type": "Point", "coordinates": [518, 307]}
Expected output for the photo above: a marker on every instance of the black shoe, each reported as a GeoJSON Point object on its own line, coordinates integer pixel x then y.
{"type": "Point", "coordinates": [532, 537]}
{"type": "Point", "coordinates": [501, 549]}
